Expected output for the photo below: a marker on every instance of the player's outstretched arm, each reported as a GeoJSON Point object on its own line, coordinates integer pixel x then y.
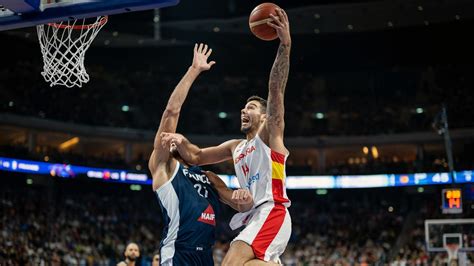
{"type": "Point", "coordinates": [194, 155]}
{"type": "Point", "coordinates": [275, 124]}
{"type": "Point", "coordinates": [169, 120]}
{"type": "Point", "coordinates": [240, 200]}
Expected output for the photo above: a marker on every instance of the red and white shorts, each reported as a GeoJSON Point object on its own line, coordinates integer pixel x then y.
{"type": "Point", "coordinates": [267, 231]}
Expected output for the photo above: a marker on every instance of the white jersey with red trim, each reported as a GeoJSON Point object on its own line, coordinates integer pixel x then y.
{"type": "Point", "coordinates": [262, 171]}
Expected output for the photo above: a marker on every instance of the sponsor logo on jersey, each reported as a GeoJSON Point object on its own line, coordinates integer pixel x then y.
{"type": "Point", "coordinates": [244, 154]}
{"type": "Point", "coordinates": [208, 216]}
{"type": "Point", "coordinates": [252, 180]}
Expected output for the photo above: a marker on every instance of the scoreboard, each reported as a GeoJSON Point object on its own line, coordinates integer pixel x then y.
{"type": "Point", "coordinates": [451, 200]}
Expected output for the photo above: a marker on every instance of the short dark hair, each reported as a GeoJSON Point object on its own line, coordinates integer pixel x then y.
{"type": "Point", "coordinates": [259, 99]}
{"type": "Point", "coordinates": [129, 243]}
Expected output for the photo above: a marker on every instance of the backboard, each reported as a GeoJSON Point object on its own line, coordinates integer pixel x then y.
{"type": "Point", "coordinates": [27, 13]}
{"type": "Point", "coordinates": [442, 232]}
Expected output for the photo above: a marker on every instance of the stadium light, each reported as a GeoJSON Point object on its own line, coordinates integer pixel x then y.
{"type": "Point", "coordinates": [222, 115]}
{"type": "Point", "coordinates": [365, 150]}
{"type": "Point", "coordinates": [321, 192]}
{"type": "Point", "coordinates": [318, 115]}
{"type": "Point", "coordinates": [69, 143]}
{"type": "Point", "coordinates": [135, 187]}
{"type": "Point", "coordinates": [125, 108]}
{"type": "Point", "coordinates": [419, 110]}
{"type": "Point", "coordinates": [375, 152]}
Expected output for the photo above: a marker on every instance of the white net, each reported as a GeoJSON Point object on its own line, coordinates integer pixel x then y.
{"type": "Point", "coordinates": [64, 46]}
{"type": "Point", "coordinates": [452, 250]}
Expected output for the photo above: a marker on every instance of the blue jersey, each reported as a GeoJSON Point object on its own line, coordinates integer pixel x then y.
{"type": "Point", "coordinates": [189, 205]}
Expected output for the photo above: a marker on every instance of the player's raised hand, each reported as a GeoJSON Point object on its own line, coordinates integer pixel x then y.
{"type": "Point", "coordinates": [282, 26]}
{"type": "Point", "coordinates": [242, 196]}
{"type": "Point", "coordinates": [201, 55]}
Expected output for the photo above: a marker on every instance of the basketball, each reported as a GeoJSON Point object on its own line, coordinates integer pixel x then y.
{"type": "Point", "coordinates": [258, 21]}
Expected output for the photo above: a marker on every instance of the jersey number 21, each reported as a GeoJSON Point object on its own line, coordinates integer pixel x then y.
{"type": "Point", "coordinates": [201, 190]}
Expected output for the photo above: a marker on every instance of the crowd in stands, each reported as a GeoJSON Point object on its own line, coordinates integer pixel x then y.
{"type": "Point", "coordinates": [342, 233]}
{"type": "Point", "coordinates": [73, 227]}
{"type": "Point", "coordinates": [76, 222]}
{"type": "Point", "coordinates": [377, 101]}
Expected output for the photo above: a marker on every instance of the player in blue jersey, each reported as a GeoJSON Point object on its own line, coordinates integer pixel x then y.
{"type": "Point", "coordinates": [188, 201]}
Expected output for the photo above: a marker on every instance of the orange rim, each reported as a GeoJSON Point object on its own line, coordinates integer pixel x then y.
{"type": "Point", "coordinates": [99, 23]}
{"type": "Point", "coordinates": [452, 247]}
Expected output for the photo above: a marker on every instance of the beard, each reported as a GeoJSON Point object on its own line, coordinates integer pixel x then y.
{"type": "Point", "coordinates": [245, 130]}
{"type": "Point", "coordinates": [131, 258]}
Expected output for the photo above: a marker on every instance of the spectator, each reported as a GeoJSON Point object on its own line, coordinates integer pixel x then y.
{"type": "Point", "coordinates": [131, 253]}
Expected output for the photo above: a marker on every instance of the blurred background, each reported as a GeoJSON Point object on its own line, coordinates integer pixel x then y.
{"type": "Point", "coordinates": [365, 96]}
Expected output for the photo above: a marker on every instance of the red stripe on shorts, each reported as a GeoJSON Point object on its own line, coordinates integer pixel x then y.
{"type": "Point", "coordinates": [269, 230]}
{"type": "Point", "coordinates": [277, 190]}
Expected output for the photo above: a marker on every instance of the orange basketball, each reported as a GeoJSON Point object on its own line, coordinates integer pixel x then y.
{"type": "Point", "coordinates": [258, 21]}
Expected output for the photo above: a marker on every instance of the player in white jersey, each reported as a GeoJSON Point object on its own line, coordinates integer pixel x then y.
{"type": "Point", "coordinates": [259, 164]}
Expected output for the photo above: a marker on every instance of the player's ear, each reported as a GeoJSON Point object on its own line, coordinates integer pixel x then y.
{"type": "Point", "coordinates": [263, 117]}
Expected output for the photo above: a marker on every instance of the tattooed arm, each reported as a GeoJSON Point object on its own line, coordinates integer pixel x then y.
{"type": "Point", "coordinates": [272, 131]}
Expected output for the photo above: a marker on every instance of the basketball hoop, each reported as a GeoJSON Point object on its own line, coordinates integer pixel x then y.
{"type": "Point", "coordinates": [64, 46]}
{"type": "Point", "coordinates": [452, 251]}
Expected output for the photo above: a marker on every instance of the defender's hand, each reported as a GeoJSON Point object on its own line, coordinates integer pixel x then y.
{"type": "Point", "coordinates": [171, 138]}
{"type": "Point", "coordinates": [201, 54]}
{"type": "Point", "coordinates": [282, 26]}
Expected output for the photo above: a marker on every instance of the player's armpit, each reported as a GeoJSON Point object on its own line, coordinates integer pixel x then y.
{"type": "Point", "coordinates": [161, 166]}
{"type": "Point", "coordinates": [163, 173]}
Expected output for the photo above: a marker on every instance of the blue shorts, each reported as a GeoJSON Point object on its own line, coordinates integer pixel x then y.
{"type": "Point", "coordinates": [186, 257]}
